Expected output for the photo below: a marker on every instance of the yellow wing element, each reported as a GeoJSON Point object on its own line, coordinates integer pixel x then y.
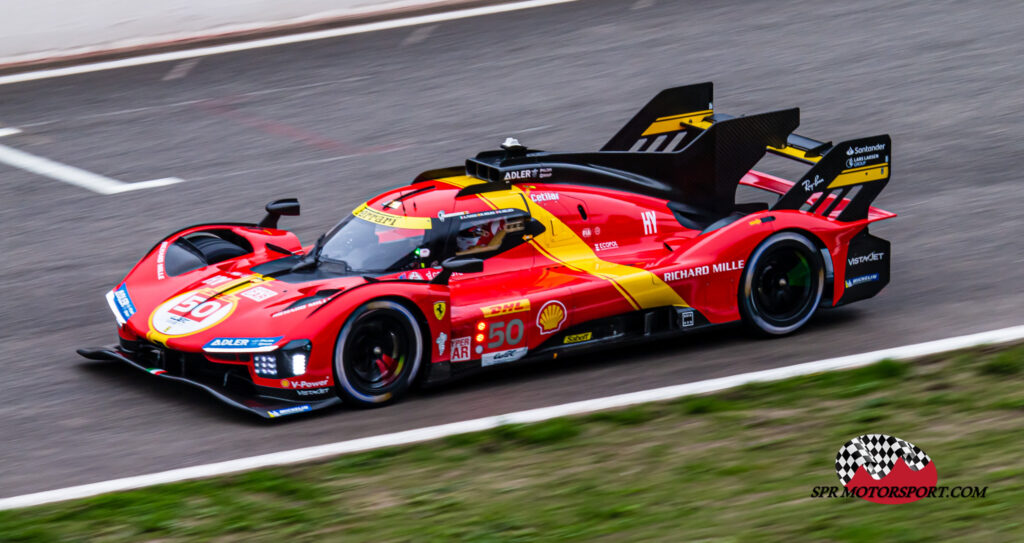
{"type": "Point", "coordinates": [641, 288]}
{"type": "Point", "coordinates": [860, 175]}
{"type": "Point", "coordinates": [675, 123]}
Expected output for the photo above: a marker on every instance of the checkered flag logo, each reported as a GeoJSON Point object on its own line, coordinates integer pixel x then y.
{"type": "Point", "coordinates": [878, 454]}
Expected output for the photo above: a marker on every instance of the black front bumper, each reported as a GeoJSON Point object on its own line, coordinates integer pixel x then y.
{"type": "Point", "coordinates": [265, 406]}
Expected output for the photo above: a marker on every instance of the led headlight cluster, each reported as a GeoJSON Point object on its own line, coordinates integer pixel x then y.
{"type": "Point", "coordinates": [288, 361]}
{"type": "Point", "coordinates": [265, 364]}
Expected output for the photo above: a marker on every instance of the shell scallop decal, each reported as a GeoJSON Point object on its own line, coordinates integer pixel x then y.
{"type": "Point", "coordinates": [551, 317]}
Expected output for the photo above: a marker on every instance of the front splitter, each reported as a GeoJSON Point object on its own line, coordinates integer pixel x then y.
{"type": "Point", "coordinates": [267, 408]}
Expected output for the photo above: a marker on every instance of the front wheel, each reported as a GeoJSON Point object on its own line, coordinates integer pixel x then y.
{"type": "Point", "coordinates": [378, 354]}
{"type": "Point", "coordinates": [782, 284]}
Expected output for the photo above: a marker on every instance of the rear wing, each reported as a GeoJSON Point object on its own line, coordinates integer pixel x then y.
{"type": "Point", "coordinates": [852, 172]}
{"type": "Point", "coordinates": [679, 149]}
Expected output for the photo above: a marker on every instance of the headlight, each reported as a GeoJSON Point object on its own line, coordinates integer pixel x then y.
{"type": "Point", "coordinates": [288, 361]}
{"type": "Point", "coordinates": [298, 364]}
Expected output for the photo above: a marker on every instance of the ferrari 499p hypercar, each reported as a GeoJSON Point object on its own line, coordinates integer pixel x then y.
{"type": "Point", "coordinates": [520, 254]}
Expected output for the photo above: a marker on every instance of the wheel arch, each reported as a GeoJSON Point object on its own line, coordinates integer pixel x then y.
{"type": "Point", "coordinates": [826, 259]}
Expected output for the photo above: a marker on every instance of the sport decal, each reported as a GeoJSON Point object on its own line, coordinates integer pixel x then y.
{"type": "Point", "coordinates": [461, 349]}
{"type": "Point", "coordinates": [440, 308]}
{"type": "Point", "coordinates": [551, 316]}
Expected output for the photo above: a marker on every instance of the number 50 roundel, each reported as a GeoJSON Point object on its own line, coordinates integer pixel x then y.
{"type": "Point", "coordinates": [190, 313]}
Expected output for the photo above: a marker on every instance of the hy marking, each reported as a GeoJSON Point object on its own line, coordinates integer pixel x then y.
{"type": "Point", "coordinates": [275, 41]}
{"type": "Point", "coordinates": [317, 452]}
{"type": "Point", "coordinates": [72, 175]}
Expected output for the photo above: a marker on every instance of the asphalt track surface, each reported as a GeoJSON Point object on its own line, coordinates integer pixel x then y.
{"type": "Point", "coordinates": [333, 122]}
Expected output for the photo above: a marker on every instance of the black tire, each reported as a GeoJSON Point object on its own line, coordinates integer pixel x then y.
{"type": "Point", "coordinates": [782, 284]}
{"type": "Point", "coordinates": [215, 249]}
{"type": "Point", "coordinates": [378, 354]}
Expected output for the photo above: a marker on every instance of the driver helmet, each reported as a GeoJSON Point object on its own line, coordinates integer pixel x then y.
{"type": "Point", "coordinates": [477, 236]}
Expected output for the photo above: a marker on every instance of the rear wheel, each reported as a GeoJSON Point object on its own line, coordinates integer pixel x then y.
{"type": "Point", "coordinates": [782, 284]}
{"type": "Point", "coordinates": [378, 354]}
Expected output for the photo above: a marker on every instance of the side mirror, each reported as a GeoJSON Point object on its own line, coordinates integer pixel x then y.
{"type": "Point", "coordinates": [285, 206]}
{"type": "Point", "coordinates": [457, 264]}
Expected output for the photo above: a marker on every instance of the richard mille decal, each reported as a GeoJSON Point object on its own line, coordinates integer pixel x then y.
{"type": "Point", "coordinates": [700, 271]}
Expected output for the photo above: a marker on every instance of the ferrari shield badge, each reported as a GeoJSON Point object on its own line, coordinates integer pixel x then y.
{"type": "Point", "coordinates": [439, 309]}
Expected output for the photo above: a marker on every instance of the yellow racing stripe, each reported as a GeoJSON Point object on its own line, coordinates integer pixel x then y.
{"type": "Point", "coordinates": [641, 288]}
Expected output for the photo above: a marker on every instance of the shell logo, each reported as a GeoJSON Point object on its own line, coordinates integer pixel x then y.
{"type": "Point", "coordinates": [551, 317]}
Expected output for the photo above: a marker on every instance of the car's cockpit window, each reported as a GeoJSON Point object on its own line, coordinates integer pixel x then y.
{"type": "Point", "coordinates": [365, 246]}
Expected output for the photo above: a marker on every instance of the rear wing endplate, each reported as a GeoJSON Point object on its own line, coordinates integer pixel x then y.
{"type": "Point", "coordinates": [856, 170]}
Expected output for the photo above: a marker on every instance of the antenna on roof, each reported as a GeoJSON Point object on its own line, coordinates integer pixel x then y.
{"type": "Point", "coordinates": [513, 145]}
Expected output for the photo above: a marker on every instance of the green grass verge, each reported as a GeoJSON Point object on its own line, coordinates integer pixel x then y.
{"type": "Point", "coordinates": [733, 466]}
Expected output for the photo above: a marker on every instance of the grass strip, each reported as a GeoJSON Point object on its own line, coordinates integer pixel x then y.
{"type": "Point", "coordinates": [733, 466]}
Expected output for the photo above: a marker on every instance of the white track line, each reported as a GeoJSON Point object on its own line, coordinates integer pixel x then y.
{"type": "Point", "coordinates": [278, 40]}
{"type": "Point", "coordinates": [318, 452]}
{"type": "Point", "coordinates": [72, 175]}
{"type": "Point", "coordinates": [9, 131]}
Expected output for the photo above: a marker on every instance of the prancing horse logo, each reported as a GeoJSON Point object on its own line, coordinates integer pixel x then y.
{"type": "Point", "coordinates": [439, 309]}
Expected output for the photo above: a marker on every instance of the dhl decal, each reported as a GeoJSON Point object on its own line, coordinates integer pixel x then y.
{"type": "Point", "coordinates": [641, 288]}
{"type": "Point", "coordinates": [386, 219]}
{"type": "Point", "coordinates": [506, 308]}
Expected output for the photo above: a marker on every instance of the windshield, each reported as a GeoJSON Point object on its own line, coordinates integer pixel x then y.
{"type": "Point", "coordinates": [365, 246]}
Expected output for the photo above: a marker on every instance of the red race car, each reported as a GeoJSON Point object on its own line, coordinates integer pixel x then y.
{"type": "Point", "coordinates": [521, 254]}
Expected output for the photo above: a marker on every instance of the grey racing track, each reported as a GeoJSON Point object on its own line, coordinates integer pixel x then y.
{"type": "Point", "coordinates": [332, 122]}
